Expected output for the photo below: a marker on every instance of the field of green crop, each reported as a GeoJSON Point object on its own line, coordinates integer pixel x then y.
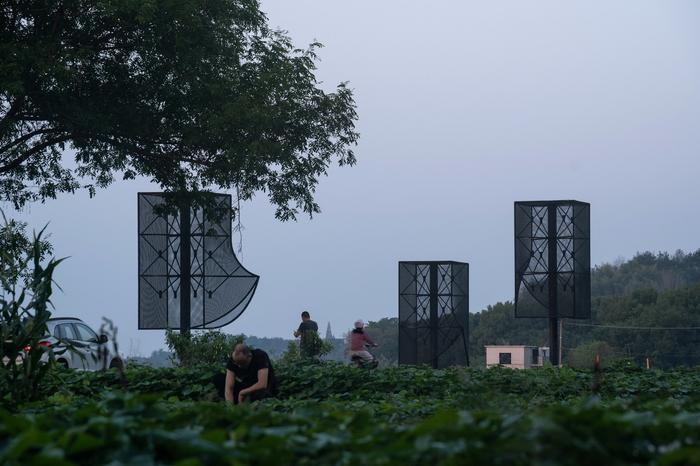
{"type": "Point", "coordinates": [333, 414]}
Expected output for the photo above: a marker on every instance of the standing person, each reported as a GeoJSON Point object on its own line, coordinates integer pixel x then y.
{"type": "Point", "coordinates": [358, 340]}
{"type": "Point", "coordinates": [249, 375]}
{"type": "Point", "coordinates": [309, 344]}
{"type": "Point", "coordinates": [305, 325]}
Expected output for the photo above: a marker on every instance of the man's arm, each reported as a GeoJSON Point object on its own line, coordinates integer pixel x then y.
{"type": "Point", "coordinates": [228, 389]}
{"type": "Point", "coordinates": [261, 384]}
{"type": "Point", "coordinates": [297, 332]}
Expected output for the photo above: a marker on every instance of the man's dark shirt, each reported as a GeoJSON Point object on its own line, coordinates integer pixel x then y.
{"type": "Point", "coordinates": [308, 331]}
{"type": "Point", "coordinates": [248, 376]}
{"type": "Point", "coordinates": [307, 325]}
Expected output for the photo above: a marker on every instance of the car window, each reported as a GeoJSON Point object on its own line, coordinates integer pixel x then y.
{"type": "Point", "coordinates": [65, 331]}
{"type": "Point", "coordinates": [85, 333]}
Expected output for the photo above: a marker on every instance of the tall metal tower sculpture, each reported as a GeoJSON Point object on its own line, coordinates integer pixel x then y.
{"type": "Point", "coordinates": [434, 313]}
{"type": "Point", "coordinates": [189, 276]}
{"type": "Point", "coordinates": [553, 263]}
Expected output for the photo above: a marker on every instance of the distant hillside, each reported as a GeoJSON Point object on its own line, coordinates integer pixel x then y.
{"type": "Point", "coordinates": [276, 347]}
{"type": "Point", "coordinates": [660, 272]}
{"type": "Point", "coordinates": [158, 358]}
{"type": "Point", "coordinates": [650, 290]}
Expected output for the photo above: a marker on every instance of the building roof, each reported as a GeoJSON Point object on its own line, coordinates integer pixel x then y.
{"type": "Point", "coordinates": [515, 346]}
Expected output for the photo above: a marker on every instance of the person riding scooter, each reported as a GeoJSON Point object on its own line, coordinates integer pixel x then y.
{"type": "Point", "coordinates": [359, 340]}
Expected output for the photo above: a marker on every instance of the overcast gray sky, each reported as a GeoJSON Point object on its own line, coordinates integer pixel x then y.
{"type": "Point", "coordinates": [464, 108]}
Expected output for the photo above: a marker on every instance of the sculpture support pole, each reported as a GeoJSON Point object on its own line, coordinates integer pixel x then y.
{"type": "Point", "coordinates": [553, 285]}
{"type": "Point", "coordinates": [185, 265]}
{"type": "Point", "coordinates": [434, 315]}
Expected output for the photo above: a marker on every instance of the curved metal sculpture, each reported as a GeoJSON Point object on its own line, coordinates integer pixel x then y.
{"type": "Point", "coordinates": [212, 289]}
{"type": "Point", "coordinates": [434, 313]}
{"type": "Point", "coordinates": [553, 263]}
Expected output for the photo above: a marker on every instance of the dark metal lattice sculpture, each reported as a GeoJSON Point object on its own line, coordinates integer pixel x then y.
{"type": "Point", "coordinates": [552, 263]}
{"type": "Point", "coordinates": [212, 290]}
{"type": "Point", "coordinates": [434, 313]}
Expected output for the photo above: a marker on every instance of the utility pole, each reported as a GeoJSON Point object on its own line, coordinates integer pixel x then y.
{"type": "Point", "coordinates": [561, 337]}
{"type": "Point", "coordinates": [553, 284]}
{"type": "Point", "coordinates": [185, 264]}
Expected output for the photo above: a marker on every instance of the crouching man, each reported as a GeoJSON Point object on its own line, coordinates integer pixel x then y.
{"type": "Point", "coordinates": [249, 375]}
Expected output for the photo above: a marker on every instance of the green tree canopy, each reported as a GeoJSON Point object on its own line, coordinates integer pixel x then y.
{"type": "Point", "coordinates": [649, 290]}
{"type": "Point", "coordinates": [189, 93]}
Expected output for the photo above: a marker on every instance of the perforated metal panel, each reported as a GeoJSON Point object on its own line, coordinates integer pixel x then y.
{"type": "Point", "coordinates": [552, 259]}
{"type": "Point", "coordinates": [434, 313]}
{"type": "Point", "coordinates": [220, 287]}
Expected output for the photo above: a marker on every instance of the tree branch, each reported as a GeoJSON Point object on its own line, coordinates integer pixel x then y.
{"type": "Point", "coordinates": [24, 138]}
{"type": "Point", "coordinates": [34, 150]}
{"type": "Point", "coordinates": [14, 108]}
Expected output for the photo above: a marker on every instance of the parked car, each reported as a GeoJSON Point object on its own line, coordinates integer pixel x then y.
{"type": "Point", "coordinates": [84, 350]}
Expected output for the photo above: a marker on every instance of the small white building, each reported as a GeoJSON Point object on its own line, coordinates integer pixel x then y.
{"type": "Point", "coordinates": [516, 356]}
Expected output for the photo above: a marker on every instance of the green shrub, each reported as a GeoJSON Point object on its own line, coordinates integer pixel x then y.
{"type": "Point", "coordinates": [292, 354]}
{"type": "Point", "coordinates": [311, 345]}
{"type": "Point", "coordinates": [208, 347]}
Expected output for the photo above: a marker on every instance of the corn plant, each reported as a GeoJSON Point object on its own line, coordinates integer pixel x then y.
{"type": "Point", "coordinates": [25, 298]}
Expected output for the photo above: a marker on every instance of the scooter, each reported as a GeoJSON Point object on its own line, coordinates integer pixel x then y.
{"type": "Point", "coordinates": [359, 362]}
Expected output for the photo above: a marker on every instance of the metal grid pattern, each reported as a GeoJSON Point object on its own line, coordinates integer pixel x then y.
{"type": "Point", "coordinates": [434, 313]}
{"type": "Point", "coordinates": [552, 259]}
{"type": "Point", "coordinates": [220, 288]}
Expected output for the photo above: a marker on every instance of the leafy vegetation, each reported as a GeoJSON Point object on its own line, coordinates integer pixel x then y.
{"type": "Point", "coordinates": [25, 297]}
{"type": "Point", "coordinates": [189, 94]}
{"type": "Point", "coordinates": [336, 414]}
{"type": "Point", "coordinates": [201, 347]}
{"type": "Point", "coordinates": [660, 272]}
{"type": "Point", "coordinates": [330, 413]}
{"type": "Point", "coordinates": [312, 346]}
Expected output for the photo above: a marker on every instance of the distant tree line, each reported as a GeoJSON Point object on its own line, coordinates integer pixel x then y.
{"type": "Point", "coordinates": [275, 347]}
{"type": "Point", "coordinates": [649, 290]}
{"type": "Point", "coordinates": [660, 272]}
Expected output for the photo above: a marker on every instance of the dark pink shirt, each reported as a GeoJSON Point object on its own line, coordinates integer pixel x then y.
{"type": "Point", "coordinates": [358, 341]}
